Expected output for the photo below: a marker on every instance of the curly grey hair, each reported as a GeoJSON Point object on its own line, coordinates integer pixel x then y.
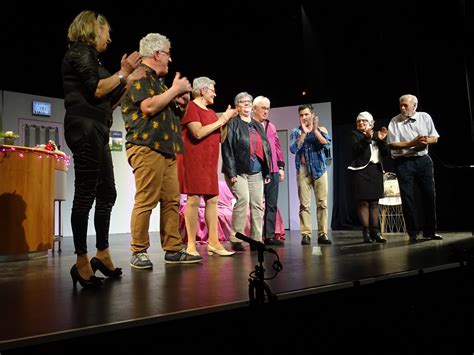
{"type": "Point", "coordinates": [153, 42]}
{"type": "Point", "coordinates": [201, 83]}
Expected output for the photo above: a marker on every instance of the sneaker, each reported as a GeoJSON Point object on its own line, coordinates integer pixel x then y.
{"type": "Point", "coordinates": [141, 261]}
{"type": "Point", "coordinates": [181, 257]}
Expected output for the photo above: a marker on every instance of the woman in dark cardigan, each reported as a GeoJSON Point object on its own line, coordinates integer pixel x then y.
{"type": "Point", "coordinates": [368, 147]}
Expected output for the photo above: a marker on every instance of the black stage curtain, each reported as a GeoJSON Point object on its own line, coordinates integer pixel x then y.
{"type": "Point", "coordinates": [453, 182]}
{"type": "Point", "coordinates": [344, 216]}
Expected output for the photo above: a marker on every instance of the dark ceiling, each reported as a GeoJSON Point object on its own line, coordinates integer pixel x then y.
{"type": "Point", "coordinates": [358, 55]}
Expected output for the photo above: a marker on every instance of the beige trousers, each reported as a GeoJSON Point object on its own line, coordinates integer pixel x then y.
{"type": "Point", "coordinates": [320, 188]}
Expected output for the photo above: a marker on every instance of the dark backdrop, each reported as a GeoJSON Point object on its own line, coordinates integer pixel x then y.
{"type": "Point", "coordinates": [453, 185]}
{"type": "Point", "coordinates": [360, 55]}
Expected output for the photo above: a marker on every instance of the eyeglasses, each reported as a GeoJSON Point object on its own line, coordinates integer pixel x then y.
{"type": "Point", "coordinates": [245, 102]}
{"type": "Point", "coordinates": [213, 91]}
{"type": "Point", "coordinates": [264, 108]}
{"type": "Point", "coordinates": [165, 52]}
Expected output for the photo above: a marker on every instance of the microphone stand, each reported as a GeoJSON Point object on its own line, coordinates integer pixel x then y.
{"type": "Point", "coordinates": [258, 288]}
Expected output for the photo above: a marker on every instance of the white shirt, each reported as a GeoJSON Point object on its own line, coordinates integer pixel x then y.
{"type": "Point", "coordinates": [403, 129]}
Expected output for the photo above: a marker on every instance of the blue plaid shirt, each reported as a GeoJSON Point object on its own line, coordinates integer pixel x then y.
{"type": "Point", "coordinates": [314, 152]}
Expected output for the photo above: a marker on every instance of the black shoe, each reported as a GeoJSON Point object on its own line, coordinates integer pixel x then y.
{"type": "Point", "coordinates": [237, 246]}
{"type": "Point", "coordinates": [366, 235]}
{"type": "Point", "coordinates": [377, 237]}
{"type": "Point", "coordinates": [96, 264]}
{"type": "Point", "coordinates": [93, 282]}
{"type": "Point", "coordinates": [433, 237]}
{"type": "Point", "coordinates": [323, 239]}
{"type": "Point", "coordinates": [306, 240]}
{"type": "Point", "coordinates": [273, 241]}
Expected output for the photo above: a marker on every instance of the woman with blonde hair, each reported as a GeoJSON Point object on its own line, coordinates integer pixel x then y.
{"type": "Point", "coordinates": [91, 94]}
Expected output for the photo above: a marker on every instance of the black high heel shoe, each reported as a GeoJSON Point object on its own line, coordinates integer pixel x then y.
{"type": "Point", "coordinates": [366, 235]}
{"type": "Point", "coordinates": [96, 264]}
{"type": "Point", "coordinates": [376, 236]}
{"type": "Point", "coordinates": [93, 282]}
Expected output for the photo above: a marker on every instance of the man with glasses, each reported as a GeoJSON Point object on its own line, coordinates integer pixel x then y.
{"type": "Point", "coordinates": [151, 113]}
{"type": "Point", "coordinates": [309, 142]}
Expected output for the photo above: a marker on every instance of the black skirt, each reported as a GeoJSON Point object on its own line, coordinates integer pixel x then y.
{"type": "Point", "coordinates": [368, 182]}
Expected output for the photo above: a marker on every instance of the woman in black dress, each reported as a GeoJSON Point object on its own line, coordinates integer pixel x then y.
{"type": "Point", "coordinates": [368, 147]}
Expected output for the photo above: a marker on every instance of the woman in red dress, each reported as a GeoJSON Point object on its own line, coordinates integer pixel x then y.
{"type": "Point", "coordinates": [198, 172]}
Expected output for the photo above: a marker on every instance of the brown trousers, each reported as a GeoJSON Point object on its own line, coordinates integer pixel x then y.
{"type": "Point", "coordinates": [156, 180]}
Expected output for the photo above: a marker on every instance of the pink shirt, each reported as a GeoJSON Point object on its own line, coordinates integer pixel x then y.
{"type": "Point", "coordinates": [272, 137]}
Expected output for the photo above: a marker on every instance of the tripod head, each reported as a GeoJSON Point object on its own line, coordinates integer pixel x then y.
{"type": "Point", "coordinates": [259, 246]}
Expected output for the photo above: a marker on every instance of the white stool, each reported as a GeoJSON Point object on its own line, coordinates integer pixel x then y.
{"type": "Point", "coordinates": [391, 215]}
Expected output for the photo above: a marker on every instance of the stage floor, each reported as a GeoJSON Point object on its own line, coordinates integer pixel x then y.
{"type": "Point", "coordinates": [38, 303]}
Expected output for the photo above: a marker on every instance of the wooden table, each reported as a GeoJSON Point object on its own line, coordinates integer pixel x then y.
{"type": "Point", "coordinates": [27, 201]}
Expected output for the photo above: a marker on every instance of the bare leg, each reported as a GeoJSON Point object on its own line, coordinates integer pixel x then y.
{"type": "Point", "coordinates": [211, 221]}
{"type": "Point", "coordinates": [104, 256]}
{"type": "Point", "coordinates": [191, 219]}
{"type": "Point", "coordinates": [84, 267]}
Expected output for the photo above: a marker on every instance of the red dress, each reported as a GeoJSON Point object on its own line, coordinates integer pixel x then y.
{"type": "Point", "coordinates": [197, 167]}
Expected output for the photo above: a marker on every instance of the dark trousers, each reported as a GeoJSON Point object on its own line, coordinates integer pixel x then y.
{"type": "Point", "coordinates": [271, 205]}
{"type": "Point", "coordinates": [94, 180]}
{"type": "Point", "coordinates": [419, 171]}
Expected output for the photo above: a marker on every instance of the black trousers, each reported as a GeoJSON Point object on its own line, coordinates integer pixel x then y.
{"type": "Point", "coordinates": [271, 205]}
{"type": "Point", "coordinates": [419, 171]}
{"type": "Point", "coordinates": [88, 140]}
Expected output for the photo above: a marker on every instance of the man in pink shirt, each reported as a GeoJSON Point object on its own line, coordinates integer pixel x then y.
{"type": "Point", "coordinates": [261, 109]}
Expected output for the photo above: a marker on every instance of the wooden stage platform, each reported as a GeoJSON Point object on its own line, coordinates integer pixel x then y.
{"type": "Point", "coordinates": [41, 312]}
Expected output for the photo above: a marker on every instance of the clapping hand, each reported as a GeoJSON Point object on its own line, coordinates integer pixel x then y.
{"type": "Point", "coordinates": [181, 84]}
{"type": "Point", "coordinates": [420, 142]}
{"type": "Point", "coordinates": [129, 63]}
{"type": "Point", "coordinates": [228, 114]}
{"type": "Point", "coordinates": [382, 133]}
{"type": "Point", "coordinates": [306, 125]}
{"type": "Point", "coordinates": [183, 99]}
{"type": "Point", "coordinates": [369, 132]}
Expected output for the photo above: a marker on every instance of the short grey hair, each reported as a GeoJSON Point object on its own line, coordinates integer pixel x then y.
{"type": "Point", "coordinates": [259, 100]}
{"type": "Point", "coordinates": [411, 97]}
{"type": "Point", "coordinates": [153, 42]}
{"type": "Point", "coordinates": [240, 96]}
{"type": "Point", "coordinates": [201, 83]}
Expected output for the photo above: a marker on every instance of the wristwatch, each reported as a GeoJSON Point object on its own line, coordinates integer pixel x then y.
{"type": "Point", "coordinates": [122, 78]}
